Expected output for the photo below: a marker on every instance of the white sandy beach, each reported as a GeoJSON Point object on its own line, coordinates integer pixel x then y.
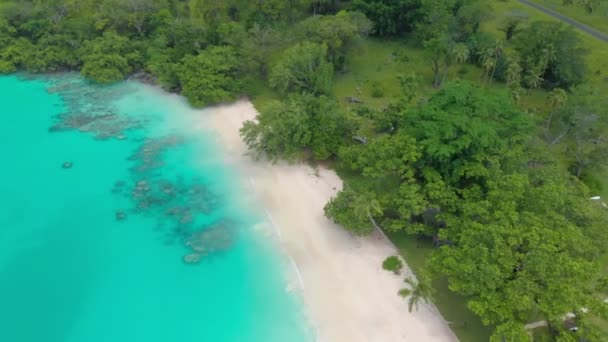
{"type": "Point", "coordinates": [348, 296]}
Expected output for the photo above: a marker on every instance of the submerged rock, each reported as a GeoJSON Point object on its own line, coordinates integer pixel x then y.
{"type": "Point", "coordinates": [192, 258]}
{"type": "Point", "coordinates": [67, 165]}
{"type": "Point", "coordinates": [120, 215]}
{"type": "Point", "coordinates": [219, 237]}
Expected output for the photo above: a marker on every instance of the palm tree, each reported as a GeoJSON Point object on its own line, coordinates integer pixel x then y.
{"type": "Point", "coordinates": [497, 53]}
{"type": "Point", "coordinates": [513, 72]}
{"type": "Point", "coordinates": [548, 56]}
{"type": "Point", "coordinates": [533, 78]}
{"type": "Point", "coordinates": [556, 98]}
{"type": "Point", "coordinates": [487, 56]}
{"type": "Point", "coordinates": [488, 65]}
{"type": "Point", "coordinates": [366, 205]}
{"type": "Point", "coordinates": [419, 290]}
{"type": "Point", "coordinates": [460, 53]}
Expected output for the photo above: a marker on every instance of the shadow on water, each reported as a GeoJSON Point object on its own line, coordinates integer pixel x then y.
{"type": "Point", "coordinates": [43, 288]}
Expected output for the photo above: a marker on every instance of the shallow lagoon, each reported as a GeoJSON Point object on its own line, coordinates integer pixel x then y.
{"type": "Point", "coordinates": [103, 192]}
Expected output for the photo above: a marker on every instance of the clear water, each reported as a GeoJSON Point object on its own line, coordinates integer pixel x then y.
{"type": "Point", "coordinates": [92, 253]}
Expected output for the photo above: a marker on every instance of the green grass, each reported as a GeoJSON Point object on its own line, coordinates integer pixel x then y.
{"type": "Point", "coordinates": [596, 61]}
{"type": "Point", "coordinates": [377, 61]}
{"type": "Point", "coordinates": [261, 94]}
{"type": "Point", "coordinates": [465, 324]}
{"type": "Point", "coordinates": [598, 19]}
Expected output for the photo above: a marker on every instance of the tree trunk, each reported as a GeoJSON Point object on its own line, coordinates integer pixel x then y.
{"type": "Point", "coordinates": [559, 137]}
{"type": "Point", "coordinates": [436, 73]}
{"type": "Point", "coordinates": [548, 125]}
{"type": "Point", "coordinates": [376, 226]}
{"type": "Point", "coordinates": [579, 170]}
{"type": "Point", "coordinates": [492, 73]}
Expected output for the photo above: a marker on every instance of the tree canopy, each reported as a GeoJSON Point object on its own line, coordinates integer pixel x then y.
{"type": "Point", "coordinates": [209, 77]}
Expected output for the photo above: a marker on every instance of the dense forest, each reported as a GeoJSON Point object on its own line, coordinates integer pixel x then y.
{"type": "Point", "coordinates": [499, 188]}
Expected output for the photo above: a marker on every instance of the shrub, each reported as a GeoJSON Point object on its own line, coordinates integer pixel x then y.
{"type": "Point", "coordinates": [393, 264]}
{"type": "Point", "coordinates": [377, 90]}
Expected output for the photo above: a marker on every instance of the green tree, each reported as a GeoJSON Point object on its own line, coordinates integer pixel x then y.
{"type": "Point", "coordinates": [436, 19]}
{"type": "Point", "coordinates": [527, 242]}
{"type": "Point", "coordinates": [338, 33]}
{"type": "Point", "coordinates": [556, 99]}
{"type": "Point", "coordinates": [512, 22]}
{"type": "Point", "coordinates": [258, 47]}
{"type": "Point", "coordinates": [470, 16]}
{"type": "Point", "coordinates": [303, 68]}
{"type": "Point", "coordinates": [463, 129]}
{"type": "Point", "coordinates": [354, 210]}
{"type": "Point", "coordinates": [210, 77]}
{"type": "Point", "coordinates": [302, 122]}
{"type": "Point", "coordinates": [390, 17]}
{"type": "Point", "coordinates": [552, 53]}
{"type": "Point", "coordinates": [437, 50]}
{"type": "Point", "coordinates": [386, 165]}
{"type": "Point", "coordinates": [16, 55]}
{"type": "Point", "coordinates": [420, 290]}
{"type": "Point", "coordinates": [510, 331]}
{"type": "Point", "coordinates": [281, 131]}
{"type": "Point", "coordinates": [109, 58]}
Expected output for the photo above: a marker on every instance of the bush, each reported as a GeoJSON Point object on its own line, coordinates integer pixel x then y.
{"type": "Point", "coordinates": [377, 90]}
{"type": "Point", "coordinates": [393, 264]}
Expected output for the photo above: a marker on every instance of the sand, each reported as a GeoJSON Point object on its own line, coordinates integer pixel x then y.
{"type": "Point", "coordinates": [347, 294]}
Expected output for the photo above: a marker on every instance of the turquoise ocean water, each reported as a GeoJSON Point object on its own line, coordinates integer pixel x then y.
{"type": "Point", "coordinates": [93, 250]}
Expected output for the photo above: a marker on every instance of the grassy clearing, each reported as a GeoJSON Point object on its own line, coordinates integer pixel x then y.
{"type": "Point", "coordinates": [598, 19]}
{"type": "Point", "coordinates": [465, 324]}
{"type": "Point", "coordinates": [378, 62]}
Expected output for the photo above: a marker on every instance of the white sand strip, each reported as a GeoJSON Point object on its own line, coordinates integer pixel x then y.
{"type": "Point", "coordinates": [348, 296]}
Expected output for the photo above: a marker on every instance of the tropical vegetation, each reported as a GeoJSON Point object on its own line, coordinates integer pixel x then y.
{"type": "Point", "coordinates": [484, 139]}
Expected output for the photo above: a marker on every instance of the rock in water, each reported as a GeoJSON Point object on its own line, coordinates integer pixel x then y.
{"type": "Point", "coordinates": [192, 258]}
{"type": "Point", "coordinates": [120, 215]}
{"type": "Point", "coordinates": [67, 165]}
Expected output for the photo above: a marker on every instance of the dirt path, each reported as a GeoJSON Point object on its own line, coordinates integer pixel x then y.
{"type": "Point", "coordinates": [595, 33]}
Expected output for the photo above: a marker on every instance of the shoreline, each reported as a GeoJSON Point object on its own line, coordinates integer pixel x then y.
{"type": "Point", "coordinates": [347, 296]}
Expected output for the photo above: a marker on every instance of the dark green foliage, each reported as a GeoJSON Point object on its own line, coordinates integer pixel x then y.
{"type": "Point", "coordinates": [377, 90]}
{"type": "Point", "coordinates": [354, 210]}
{"type": "Point", "coordinates": [393, 264]}
{"type": "Point", "coordinates": [55, 53]}
{"type": "Point", "coordinates": [289, 127]}
{"type": "Point", "coordinates": [552, 55]}
{"type": "Point", "coordinates": [16, 55]}
{"type": "Point", "coordinates": [210, 77]}
{"type": "Point", "coordinates": [109, 58]}
{"type": "Point", "coordinates": [478, 44]}
{"type": "Point", "coordinates": [337, 32]}
{"type": "Point", "coordinates": [281, 131]}
{"type": "Point", "coordinates": [303, 68]}
{"type": "Point", "coordinates": [512, 22]}
{"type": "Point", "coordinates": [464, 130]}
{"type": "Point", "coordinates": [390, 17]}
{"type": "Point", "coordinates": [525, 243]}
